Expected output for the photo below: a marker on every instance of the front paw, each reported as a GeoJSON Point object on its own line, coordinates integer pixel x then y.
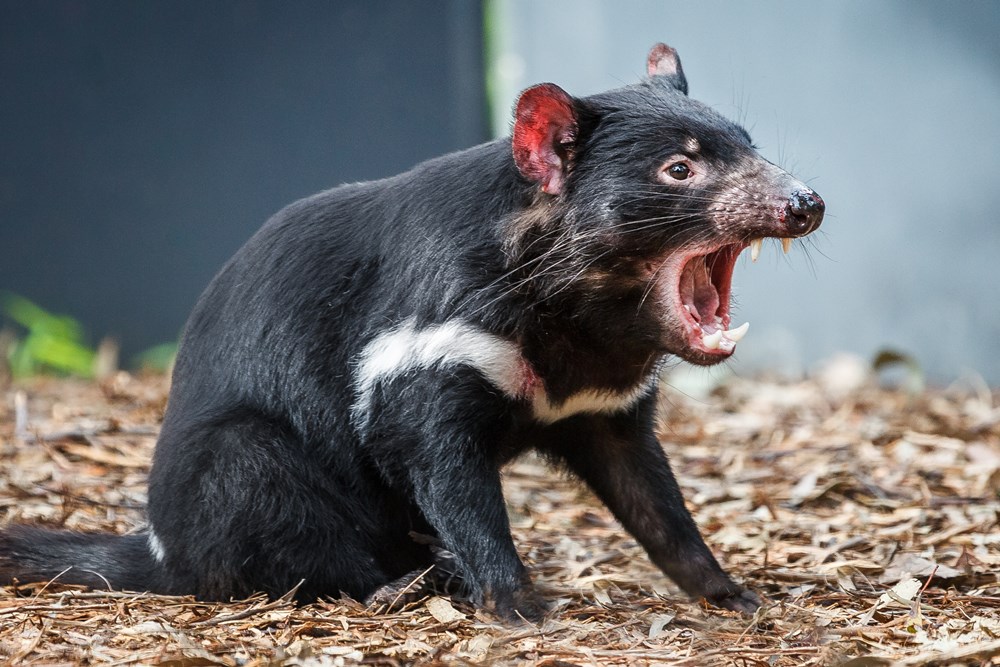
{"type": "Point", "coordinates": [701, 577]}
{"type": "Point", "coordinates": [523, 604]}
{"type": "Point", "coordinates": [738, 599]}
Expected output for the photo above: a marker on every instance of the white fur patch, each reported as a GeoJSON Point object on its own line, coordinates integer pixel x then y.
{"type": "Point", "coordinates": [405, 349]}
{"type": "Point", "coordinates": [155, 546]}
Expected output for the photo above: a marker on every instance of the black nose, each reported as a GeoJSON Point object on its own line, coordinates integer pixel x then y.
{"type": "Point", "coordinates": [804, 211]}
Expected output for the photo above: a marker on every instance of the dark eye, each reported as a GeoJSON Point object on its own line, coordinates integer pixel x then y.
{"type": "Point", "coordinates": [679, 171]}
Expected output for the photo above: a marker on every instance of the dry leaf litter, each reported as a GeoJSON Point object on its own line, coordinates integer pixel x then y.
{"type": "Point", "coordinates": [866, 517]}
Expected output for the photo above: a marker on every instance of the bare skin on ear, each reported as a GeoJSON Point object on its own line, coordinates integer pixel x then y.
{"type": "Point", "coordinates": [545, 128]}
{"type": "Point", "coordinates": [664, 61]}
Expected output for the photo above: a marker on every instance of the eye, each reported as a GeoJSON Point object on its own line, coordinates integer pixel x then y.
{"type": "Point", "coordinates": [679, 171]}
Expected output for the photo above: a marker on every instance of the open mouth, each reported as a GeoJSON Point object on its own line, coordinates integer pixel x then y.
{"type": "Point", "coordinates": [704, 287]}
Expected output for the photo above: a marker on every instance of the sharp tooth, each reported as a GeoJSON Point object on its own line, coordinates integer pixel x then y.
{"type": "Point", "coordinates": [755, 249]}
{"type": "Point", "coordinates": [786, 244]}
{"type": "Point", "coordinates": [737, 334]}
{"type": "Point", "coordinates": [711, 341]}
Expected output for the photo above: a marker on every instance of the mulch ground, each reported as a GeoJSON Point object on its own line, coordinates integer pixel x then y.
{"type": "Point", "coordinates": [866, 517]}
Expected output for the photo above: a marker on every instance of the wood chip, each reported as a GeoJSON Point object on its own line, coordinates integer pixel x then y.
{"type": "Point", "coordinates": [442, 610]}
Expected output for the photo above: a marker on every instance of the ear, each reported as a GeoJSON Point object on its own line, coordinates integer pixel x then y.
{"type": "Point", "coordinates": [545, 126]}
{"type": "Point", "coordinates": [663, 61]}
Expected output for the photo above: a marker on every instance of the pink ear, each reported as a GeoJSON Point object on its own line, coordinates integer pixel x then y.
{"type": "Point", "coordinates": [663, 61]}
{"type": "Point", "coordinates": [544, 131]}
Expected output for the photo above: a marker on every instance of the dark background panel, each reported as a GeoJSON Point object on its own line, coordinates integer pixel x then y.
{"type": "Point", "coordinates": [143, 142]}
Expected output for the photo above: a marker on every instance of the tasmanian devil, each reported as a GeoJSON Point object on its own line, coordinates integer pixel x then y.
{"type": "Point", "coordinates": [362, 368]}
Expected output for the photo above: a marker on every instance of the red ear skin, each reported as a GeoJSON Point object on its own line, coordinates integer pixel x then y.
{"type": "Point", "coordinates": [544, 130]}
{"type": "Point", "coordinates": [663, 61]}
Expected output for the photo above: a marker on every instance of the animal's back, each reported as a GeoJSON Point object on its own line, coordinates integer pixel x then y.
{"type": "Point", "coordinates": [325, 274]}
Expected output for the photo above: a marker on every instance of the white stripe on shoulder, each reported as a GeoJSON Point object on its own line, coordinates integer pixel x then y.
{"type": "Point", "coordinates": [405, 349]}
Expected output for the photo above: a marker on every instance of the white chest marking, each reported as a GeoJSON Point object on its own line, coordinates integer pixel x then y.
{"type": "Point", "coordinates": [405, 349]}
{"type": "Point", "coordinates": [590, 401]}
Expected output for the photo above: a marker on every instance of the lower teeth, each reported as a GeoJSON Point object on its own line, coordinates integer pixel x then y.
{"type": "Point", "coordinates": [724, 339]}
{"type": "Point", "coordinates": [712, 341]}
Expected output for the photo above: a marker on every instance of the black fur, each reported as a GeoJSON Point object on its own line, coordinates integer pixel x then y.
{"type": "Point", "coordinates": [40, 555]}
{"type": "Point", "coordinates": [261, 477]}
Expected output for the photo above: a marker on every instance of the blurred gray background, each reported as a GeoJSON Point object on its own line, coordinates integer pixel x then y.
{"type": "Point", "coordinates": [142, 143]}
{"type": "Point", "coordinates": [890, 110]}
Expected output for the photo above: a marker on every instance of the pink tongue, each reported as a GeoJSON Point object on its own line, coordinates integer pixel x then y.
{"type": "Point", "coordinates": [686, 289]}
{"type": "Point", "coordinates": [706, 298]}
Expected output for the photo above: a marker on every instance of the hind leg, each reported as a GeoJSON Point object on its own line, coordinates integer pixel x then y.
{"type": "Point", "coordinates": [241, 505]}
{"type": "Point", "coordinates": [444, 578]}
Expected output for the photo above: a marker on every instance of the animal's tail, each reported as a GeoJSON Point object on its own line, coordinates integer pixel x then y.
{"type": "Point", "coordinates": [97, 560]}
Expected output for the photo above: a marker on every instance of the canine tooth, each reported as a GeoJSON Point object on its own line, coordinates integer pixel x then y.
{"type": "Point", "coordinates": [737, 334]}
{"type": "Point", "coordinates": [711, 341]}
{"type": "Point", "coordinates": [755, 249]}
{"type": "Point", "coordinates": [786, 244]}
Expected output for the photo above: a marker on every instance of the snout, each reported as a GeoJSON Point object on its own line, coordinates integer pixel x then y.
{"type": "Point", "coordinates": [803, 212]}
